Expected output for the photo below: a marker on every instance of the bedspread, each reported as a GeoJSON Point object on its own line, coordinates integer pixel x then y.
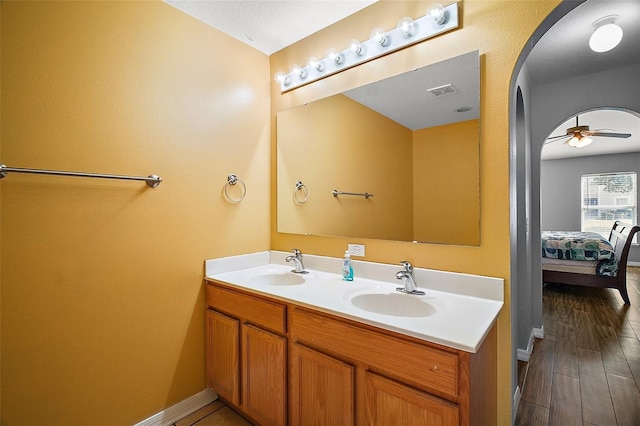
{"type": "Point", "coordinates": [587, 246]}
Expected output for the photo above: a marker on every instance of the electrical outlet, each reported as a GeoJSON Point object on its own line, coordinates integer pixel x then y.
{"type": "Point", "coordinates": [356, 250]}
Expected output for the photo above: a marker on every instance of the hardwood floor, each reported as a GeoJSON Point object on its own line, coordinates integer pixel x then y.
{"type": "Point", "coordinates": [586, 371]}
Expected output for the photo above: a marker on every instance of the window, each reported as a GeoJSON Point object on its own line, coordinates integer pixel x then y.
{"type": "Point", "coordinates": [607, 198]}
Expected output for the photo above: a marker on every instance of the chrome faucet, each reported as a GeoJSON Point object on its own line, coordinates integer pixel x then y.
{"type": "Point", "coordinates": [406, 275]}
{"type": "Point", "coordinates": [297, 260]}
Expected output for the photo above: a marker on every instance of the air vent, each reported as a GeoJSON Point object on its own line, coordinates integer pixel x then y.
{"type": "Point", "coordinates": [445, 90]}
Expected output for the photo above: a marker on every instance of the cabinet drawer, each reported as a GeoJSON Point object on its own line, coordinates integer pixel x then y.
{"type": "Point", "coordinates": [423, 366]}
{"type": "Point", "coordinates": [388, 402]}
{"type": "Point", "coordinates": [247, 308]}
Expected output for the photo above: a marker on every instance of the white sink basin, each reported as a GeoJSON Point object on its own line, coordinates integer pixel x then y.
{"type": "Point", "coordinates": [278, 279]}
{"type": "Point", "coordinates": [393, 304]}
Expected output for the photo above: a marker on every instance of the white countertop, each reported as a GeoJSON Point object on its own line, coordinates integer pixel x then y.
{"type": "Point", "coordinates": [466, 306]}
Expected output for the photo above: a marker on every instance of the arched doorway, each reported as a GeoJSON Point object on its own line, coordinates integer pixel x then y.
{"type": "Point", "coordinates": [538, 105]}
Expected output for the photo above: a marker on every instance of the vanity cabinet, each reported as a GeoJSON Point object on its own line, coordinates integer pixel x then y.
{"type": "Point", "coordinates": [223, 356]}
{"type": "Point", "coordinates": [246, 353]}
{"type": "Point", "coordinates": [322, 389]}
{"type": "Point", "coordinates": [315, 368]}
{"type": "Point", "coordinates": [402, 380]}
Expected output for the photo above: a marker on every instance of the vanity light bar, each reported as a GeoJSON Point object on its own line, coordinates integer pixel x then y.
{"type": "Point", "coordinates": [407, 33]}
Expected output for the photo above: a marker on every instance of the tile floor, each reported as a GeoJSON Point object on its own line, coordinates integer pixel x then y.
{"type": "Point", "coordinates": [214, 414]}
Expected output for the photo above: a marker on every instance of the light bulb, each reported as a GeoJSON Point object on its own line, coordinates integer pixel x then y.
{"type": "Point", "coordinates": [582, 142]}
{"type": "Point", "coordinates": [379, 37]}
{"type": "Point", "coordinates": [315, 64]}
{"type": "Point", "coordinates": [300, 72]}
{"type": "Point", "coordinates": [335, 56]}
{"type": "Point", "coordinates": [436, 13]}
{"type": "Point", "coordinates": [355, 46]}
{"type": "Point", "coordinates": [573, 141]}
{"type": "Point", "coordinates": [283, 79]}
{"type": "Point", "coordinates": [407, 27]}
{"type": "Point", "coordinates": [606, 36]}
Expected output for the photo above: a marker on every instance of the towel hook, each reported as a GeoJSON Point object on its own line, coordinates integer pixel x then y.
{"type": "Point", "coordinates": [305, 192]}
{"type": "Point", "coordinates": [232, 180]}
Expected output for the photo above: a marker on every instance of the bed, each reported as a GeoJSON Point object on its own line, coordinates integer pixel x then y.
{"type": "Point", "coordinates": [588, 259]}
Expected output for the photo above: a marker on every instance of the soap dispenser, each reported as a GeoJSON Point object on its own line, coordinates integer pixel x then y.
{"type": "Point", "coordinates": [347, 268]}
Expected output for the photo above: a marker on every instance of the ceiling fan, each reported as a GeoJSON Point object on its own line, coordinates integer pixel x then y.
{"type": "Point", "coordinates": [580, 136]}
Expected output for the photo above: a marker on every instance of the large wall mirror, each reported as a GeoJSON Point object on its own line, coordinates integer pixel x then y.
{"type": "Point", "coordinates": [411, 141]}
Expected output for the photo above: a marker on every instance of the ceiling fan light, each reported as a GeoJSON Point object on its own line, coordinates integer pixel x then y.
{"type": "Point", "coordinates": [606, 36]}
{"type": "Point", "coordinates": [573, 141]}
{"type": "Point", "coordinates": [584, 141]}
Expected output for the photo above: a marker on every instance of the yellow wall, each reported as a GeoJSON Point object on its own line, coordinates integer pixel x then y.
{"type": "Point", "coordinates": [0, 219]}
{"type": "Point", "coordinates": [102, 293]}
{"type": "Point", "coordinates": [499, 30]}
{"type": "Point", "coordinates": [445, 172]}
{"type": "Point", "coordinates": [363, 149]}
{"type": "Point", "coordinates": [102, 304]}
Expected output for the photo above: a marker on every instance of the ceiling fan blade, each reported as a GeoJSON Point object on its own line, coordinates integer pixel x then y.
{"type": "Point", "coordinates": [611, 135]}
{"type": "Point", "coordinates": [550, 138]}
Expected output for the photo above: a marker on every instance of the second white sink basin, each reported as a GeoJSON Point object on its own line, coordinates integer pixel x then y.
{"type": "Point", "coordinates": [394, 304]}
{"type": "Point", "coordinates": [278, 278]}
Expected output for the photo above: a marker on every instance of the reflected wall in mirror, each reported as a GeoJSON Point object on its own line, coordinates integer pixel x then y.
{"type": "Point", "coordinates": [415, 149]}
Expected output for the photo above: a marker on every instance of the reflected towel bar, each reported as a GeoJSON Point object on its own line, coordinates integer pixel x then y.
{"type": "Point", "coordinates": [152, 180]}
{"type": "Point", "coordinates": [366, 195]}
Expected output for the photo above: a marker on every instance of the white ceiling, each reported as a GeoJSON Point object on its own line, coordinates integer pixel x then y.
{"type": "Point", "coordinates": [563, 52]}
{"type": "Point", "coordinates": [617, 121]}
{"type": "Point", "coordinates": [269, 25]}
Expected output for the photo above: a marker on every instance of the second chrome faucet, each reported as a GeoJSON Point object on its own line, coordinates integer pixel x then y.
{"type": "Point", "coordinates": [406, 275]}
{"type": "Point", "coordinates": [296, 258]}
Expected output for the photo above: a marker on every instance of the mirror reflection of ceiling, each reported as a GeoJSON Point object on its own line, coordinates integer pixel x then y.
{"type": "Point", "coordinates": [612, 120]}
{"type": "Point", "coordinates": [405, 97]}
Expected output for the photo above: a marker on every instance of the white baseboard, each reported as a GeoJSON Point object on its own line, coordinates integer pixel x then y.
{"type": "Point", "coordinates": [181, 409]}
{"type": "Point", "coordinates": [516, 402]}
{"type": "Point", "coordinates": [538, 332]}
{"type": "Point", "coordinates": [629, 263]}
{"type": "Point", "coordinates": [525, 354]}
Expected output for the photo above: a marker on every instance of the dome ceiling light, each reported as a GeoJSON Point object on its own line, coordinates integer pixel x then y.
{"type": "Point", "coordinates": [607, 34]}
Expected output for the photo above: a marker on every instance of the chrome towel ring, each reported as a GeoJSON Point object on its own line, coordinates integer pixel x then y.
{"type": "Point", "coordinates": [300, 187]}
{"type": "Point", "coordinates": [232, 180]}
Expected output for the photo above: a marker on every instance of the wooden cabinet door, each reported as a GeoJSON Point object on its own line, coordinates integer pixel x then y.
{"type": "Point", "coordinates": [390, 403]}
{"type": "Point", "coordinates": [322, 389]}
{"type": "Point", "coordinates": [223, 355]}
{"type": "Point", "coordinates": [264, 375]}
